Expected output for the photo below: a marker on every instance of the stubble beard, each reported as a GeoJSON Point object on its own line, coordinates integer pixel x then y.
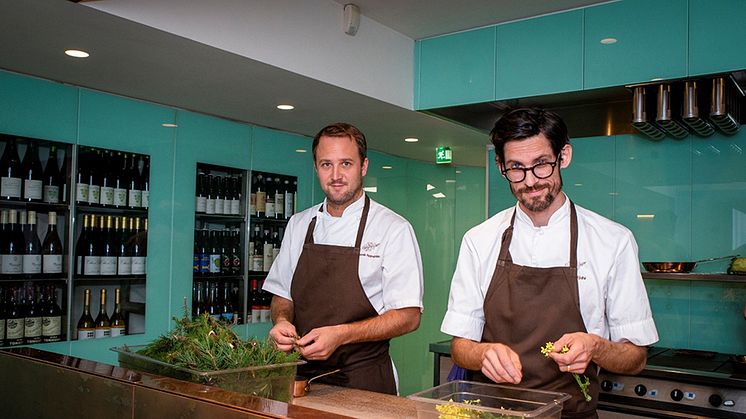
{"type": "Point", "coordinates": [347, 197]}
{"type": "Point", "coordinates": [541, 203]}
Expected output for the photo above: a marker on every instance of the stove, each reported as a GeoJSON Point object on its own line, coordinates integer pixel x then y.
{"type": "Point", "coordinates": [678, 383]}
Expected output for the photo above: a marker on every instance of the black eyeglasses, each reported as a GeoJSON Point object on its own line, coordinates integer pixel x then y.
{"type": "Point", "coordinates": [540, 171]}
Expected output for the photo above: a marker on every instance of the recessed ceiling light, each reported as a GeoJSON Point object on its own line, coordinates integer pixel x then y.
{"type": "Point", "coordinates": [609, 41]}
{"type": "Point", "coordinates": [458, 172]}
{"type": "Point", "coordinates": [169, 125]}
{"type": "Point", "coordinates": [300, 150]}
{"type": "Point", "coordinates": [387, 167]}
{"type": "Point", "coordinates": [371, 189]}
{"type": "Point", "coordinates": [429, 187]}
{"type": "Point", "coordinates": [578, 184]}
{"type": "Point", "coordinates": [439, 195]}
{"type": "Point", "coordinates": [645, 215]}
{"type": "Point", "coordinates": [656, 79]}
{"type": "Point", "coordinates": [77, 53]}
{"type": "Point", "coordinates": [450, 180]}
{"type": "Point", "coordinates": [411, 140]}
{"type": "Point", "coordinates": [285, 107]}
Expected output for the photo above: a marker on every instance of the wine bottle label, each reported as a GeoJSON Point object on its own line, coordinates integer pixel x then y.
{"type": "Point", "coordinates": [226, 264]}
{"type": "Point", "coordinates": [51, 264]}
{"type": "Point", "coordinates": [261, 201]}
{"type": "Point", "coordinates": [257, 263]}
{"type": "Point", "coordinates": [288, 205]}
{"type": "Point", "coordinates": [226, 207]}
{"type": "Point", "coordinates": [32, 327]}
{"type": "Point", "coordinates": [91, 265]}
{"type": "Point", "coordinates": [32, 189]}
{"type": "Point", "coordinates": [135, 198]}
{"type": "Point", "coordinates": [2, 328]}
{"type": "Point", "coordinates": [201, 204]}
{"type": "Point", "coordinates": [10, 187]}
{"type": "Point", "coordinates": [86, 334]}
{"type": "Point", "coordinates": [195, 263]}
{"type": "Point", "coordinates": [280, 205]}
{"type": "Point", "coordinates": [235, 207]}
{"type": "Point", "coordinates": [256, 315]}
{"type": "Point", "coordinates": [51, 194]}
{"type": "Point", "coordinates": [107, 195]}
{"type": "Point", "coordinates": [102, 332]}
{"type": "Point", "coordinates": [94, 194]}
{"type": "Point", "coordinates": [12, 264]}
{"type": "Point", "coordinates": [14, 329]}
{"type": "Point", "coordinates": [269, 209]}
{"type": "Point", "coordinates": [145, 200]}
{"type": "Point", "coordinates": [51, 326]}
{"type": "Point", "coordinates": [236, 264]}
{"type": "Point", "coordinates": [81, 192]}
{"type": "Point", "coordinates": [108, 265]}
{"type": "Point", "coordinates": [118, 331]}
{"type": "Point", "coordinates": [219, 204]}
{"type": "Point", "coordinates": [204, 263]}
{"type": "Point", "coordinates": [265, 313]}
{"type": "Point", "coordinates": [120, 197]}
{"type": "Point", "coordinates": [210, 206]}
{"type": "Point", "coordinates": [31, 264]}
{"type": "Point", "coordinates": [214, 263]}
{"type": "Point", "coordinates": [267, 262]}
{"type": "Point", "coordinates": [138, 265]}
{"type": "Point", "coordinates": [124, 265]}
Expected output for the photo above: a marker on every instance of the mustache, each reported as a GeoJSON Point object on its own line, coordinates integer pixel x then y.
{"type": "Point", "coordinates": [337, 183]}
{"type": "Point", "coordinates": [533, 188]}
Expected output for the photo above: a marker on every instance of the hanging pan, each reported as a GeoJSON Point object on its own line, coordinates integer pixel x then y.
{"type": "Point", "coordinates": [677, 267]}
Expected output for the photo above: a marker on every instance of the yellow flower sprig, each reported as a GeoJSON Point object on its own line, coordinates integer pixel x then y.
{"type": "Point", "coordinates": [583, 384]}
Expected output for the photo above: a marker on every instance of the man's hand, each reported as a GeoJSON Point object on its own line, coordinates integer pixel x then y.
{"type": "Point", "coordinates": [320, 343]}
{"type": "Point", "coordinates": [501, 364]}
{"type": "Point", "coordinates": [582, 350]}
{"type": "Point", "coordinates": [616, 357]}
{"type": "Point", "coordinates": [284, 335]}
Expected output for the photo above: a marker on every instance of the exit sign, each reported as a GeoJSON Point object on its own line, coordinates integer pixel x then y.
{"type": "Point", "coordinates": [443, 155]}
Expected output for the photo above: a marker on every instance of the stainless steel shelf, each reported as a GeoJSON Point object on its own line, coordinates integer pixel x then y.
{"type": "Point", "coordinates": [716, 277]}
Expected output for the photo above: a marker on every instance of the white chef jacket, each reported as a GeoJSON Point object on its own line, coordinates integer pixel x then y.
{"type": "Point", "coordinates": [390, 267]}
{"type": "Point", "coordinates": [613, 300]}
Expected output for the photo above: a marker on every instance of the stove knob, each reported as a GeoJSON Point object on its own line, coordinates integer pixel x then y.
{"type": "Point", "coordinates": [606, 385]}
{"type": "Point", "coordinates": [641, 390]}
{"type": "Point", "coordinates": [677, 395]}
{"type": "Point", "coordinates": [715, 400]}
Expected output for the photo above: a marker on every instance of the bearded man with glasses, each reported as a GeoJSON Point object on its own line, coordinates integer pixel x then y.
{"type": "Point", "coordinates": [546, 271]}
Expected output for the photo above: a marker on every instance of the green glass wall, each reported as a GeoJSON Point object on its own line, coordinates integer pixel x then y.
{"type": "Point", "coordinates": [683, 200]}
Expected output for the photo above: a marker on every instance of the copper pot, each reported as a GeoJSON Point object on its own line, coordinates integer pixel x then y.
{"type": "Point", "coordinates": [302, 385]}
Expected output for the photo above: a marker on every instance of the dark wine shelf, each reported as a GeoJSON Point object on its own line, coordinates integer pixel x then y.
{"type": "Point", "coordinates": [33, 278]}
{"type": "Point", "coordinates": [221, 218]}
{"type": "Point", "coordinates": [269, 220]}
{"type": "Point", "coordinates": [218, 277]}
{"type": "Point", "coordinates": [90, 209]}
{"type": "Point", "coordinates": [40, 207]}
{"type": "Point", "coordinates": [111, 278]}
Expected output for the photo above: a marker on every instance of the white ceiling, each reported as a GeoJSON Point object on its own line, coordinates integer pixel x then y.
{"type": "Point", "coordinates": [139, 61]}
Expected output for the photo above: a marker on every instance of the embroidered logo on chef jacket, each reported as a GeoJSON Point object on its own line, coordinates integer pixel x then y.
{"type": "Point", "coordinates": [368, 247]}
{"type": "Point", "coordinates": [580, 265]}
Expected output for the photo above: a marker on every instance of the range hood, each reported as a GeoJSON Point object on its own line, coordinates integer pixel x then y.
{"type": "Point", "coordinates": [672, 108]}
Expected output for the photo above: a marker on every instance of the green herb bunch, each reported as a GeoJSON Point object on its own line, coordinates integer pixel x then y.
{"type": "Point", "coordinates": [206, 344]}
{"type": "Point", "coordinates": [584, 383]}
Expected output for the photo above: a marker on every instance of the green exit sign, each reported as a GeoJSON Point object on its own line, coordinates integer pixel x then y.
{"type": "Point", "coordinates": [443, 155]}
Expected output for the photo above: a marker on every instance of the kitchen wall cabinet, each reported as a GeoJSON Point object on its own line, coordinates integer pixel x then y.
{"type": "Point", "coordinates": [650, 42]}
{"type": "Point", "coordinates": [456, 69]}
{"type": "Point", "coordinates": [540, 56]}
{"type": "Point", "coordinates": [716, 36]}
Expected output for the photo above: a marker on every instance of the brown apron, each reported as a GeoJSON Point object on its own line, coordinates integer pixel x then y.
{"type": "Point", "coordinates": [326, 290]}
{"type": "Point", "coordinates": [527, 307]}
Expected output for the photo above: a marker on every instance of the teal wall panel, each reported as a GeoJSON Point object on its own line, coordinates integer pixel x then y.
{"type": "Point", "coordinates": [540, 56]}
{"type": "Point", "coordinates": [51, 112]}
{"type": "Point", "coordinates": [499, 195]}
{"type": "Point", "coordinates": [716, 36]}
{"type": "Point", "coordinates": [387, 183]}
{"type": "Point", "coordinates": [589, 180]}
{"type": "Point", "coordinates": [456, 69]}
{"type": "Point", "coordinates": [651, 42]}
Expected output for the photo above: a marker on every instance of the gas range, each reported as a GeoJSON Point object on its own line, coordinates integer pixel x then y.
{"type": "Point", "coordinates": [678, 383]}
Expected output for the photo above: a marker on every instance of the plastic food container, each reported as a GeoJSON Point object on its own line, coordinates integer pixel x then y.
{"type": "Point", "coordinates": [273, 381]}
{"type": "Point", "coordinates": [458, 399]}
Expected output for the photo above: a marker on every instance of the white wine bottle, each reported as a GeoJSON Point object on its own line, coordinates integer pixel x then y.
{"type": "Point", "coordinates": [86, 326]}
{"type": "Point", "coordinates": [118, 324]}
{"type": "Point", "coordinates": [52, 248]}
{"type": "Point", "coordinates": [103, 326]}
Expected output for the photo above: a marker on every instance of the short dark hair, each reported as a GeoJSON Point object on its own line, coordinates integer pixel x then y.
{"type": "Point", "coordinates": [342, 129]}
{"type": "Point", "coordinates": [522, 123]}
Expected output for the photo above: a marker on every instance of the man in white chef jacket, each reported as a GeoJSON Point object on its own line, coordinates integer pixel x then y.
{"type": "Point", "coordinates": [546, 270]}
{"type": "Point", "coordinates": [348, 277]}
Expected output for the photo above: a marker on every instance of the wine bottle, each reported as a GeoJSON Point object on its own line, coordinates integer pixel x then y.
{"type": "Point", "coordinates": [81, 179]}
{"type": "Point", "coordinates": [144, 244]}
{"type": "Point", "coordinates": [204, 253]}
{"type": "Point", "coordinates": [108, 249]}
{"type": "Point", "coordinates": [106, 198]}
{"type": "Point", "coordinates": [195, 255]}
{"type": "Point", "coordinates": [137, 250]}
{"type": "Point", "coordinates": [257, 257]}
{"type": "Point", "coordinates": [134, 187]}
{"type": "Point", "coordinates": [4, 236]}
{"type": "Point", "coordinates": [32, 174]}
{"type": "Point", "coordinates": [15, 323]}
{"type": "Point", "coordinates": [261, 196]}
{"type": "Point", "coordinates": [52, 248]}
{"type": "Point", "coordinates": [213, 307]}
{"type": "Point", "coordinates": [267, 250]}
{"type": "Point", "coordinates": [51, 179]}
{"type": "Point", "coordinates": [219, 195]}
{"type": "Point", "coordinates": [31, 259]}
{"type": "Point", "coordinates": [252, 197]}
{"type": "Point", "coordinates": [256, 303]}
{"type": "Point", "coordinates": [145, 180]}
{"type": "Point", "coordinates": [124, 258]}
{"type": "Point", "coordinates": [227, 195]}
{"type": "Point", "coordinates": [118, 324]}
{"type": "Point", "coordinates": [3, 316]}
{"type": "Point", "coordinates": [279, 199]}
{"type": "Point", "coordinates": [10, 171]}
{"type": "Point", "coordinates": [226, 307]}
{"type": "Point", "coordinates": [200, 306]}
{"type": "Point", "coordinates": [12, 251]}
{"type": "Point", "coordinates": [266, 300]}
{"type": "Point", "coordinates": [235, 252]}
{"type": "Point", "coordinates": [269, 206]}
{"type": "Point", "coordinates": [32, 320]}
{"type": "Point", "coordinates": [88, 248]}
{"type": "Point", "coordinates": [236, 196]}
{"type": "Point", "coordinates": [215, 263]}
{"type": "Point", "coordinates": [225, 255]}
{"type": "Point", "coordinates": [210, 194]}
{"type": "Point", "coordinates": [94, 177]}
{"type": "Point", "coordinates": [289, 206]}
{"type": "Point", "coordinates": [276, 242]}
{"type": "Point", "coordinates": [86, 325]}
{"type": "Point", "coordinates": [51, 320]}
{"type": "Point", "coordinates": [295, 196]}
{"type": "Point", "coordinates": [63, 179]}
{"type": "Point", "coordinates": [102, 324]}
{"type": "Point", "coordinates": [120, 184]}
{"type": "Point", "coordinates": [200, 203]}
